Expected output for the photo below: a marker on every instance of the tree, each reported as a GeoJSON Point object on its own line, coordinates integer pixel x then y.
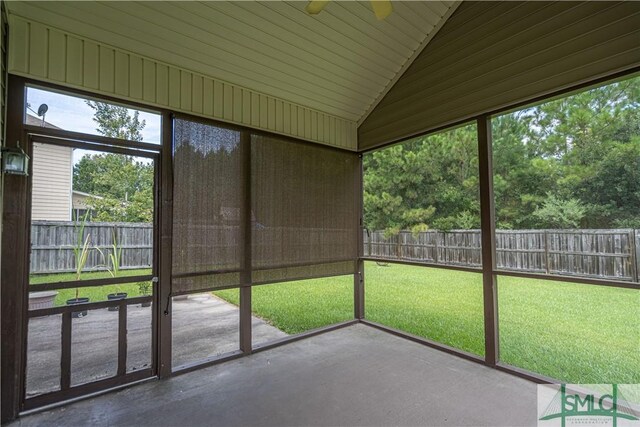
{"type": "Point", "coordinates": [569, 162]}
{"type": "Point", "coordinates": [558, 213]}
{"type": "Point", "coordinates": [424, 183]}
{"type": "Point", "coordinates": [613, 188]}
{"type": "Point", "coordinates": [116, 122]}
{"type": "Point", "coordinates": [123, 184]}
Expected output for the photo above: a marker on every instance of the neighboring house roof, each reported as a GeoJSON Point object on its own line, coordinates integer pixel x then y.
{"type": "Point", "coordinates": [83, 194]}
{"type": "Point", "coordinates": [37, 121]}
{"type": "Point", "coordinates": [82, 200]}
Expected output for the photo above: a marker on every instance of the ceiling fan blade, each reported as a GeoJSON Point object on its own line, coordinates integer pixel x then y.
{"type": "Point", "coordinates": [315, 6]}
{"type": "Point", "coordinates": [382, 8]}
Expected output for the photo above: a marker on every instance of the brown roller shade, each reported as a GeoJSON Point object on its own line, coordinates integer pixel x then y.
{"type": "Point", "coordinates": [207, 202]}
{"type": "Point", "coordinates": [301, 210]}
{"type": "Point", "coordinates": [305, 221]}
{"type": "Point", "coordinates": [492, 55]}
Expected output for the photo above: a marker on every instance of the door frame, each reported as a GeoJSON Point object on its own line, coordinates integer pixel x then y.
{"type": "Point", "coordinates": [67, 391]}
{"type": "Point", "coordinates": [16, 216]}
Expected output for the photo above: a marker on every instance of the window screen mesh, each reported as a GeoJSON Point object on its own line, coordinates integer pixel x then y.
{"type": "Point", "coordinates": [207, 203]}
{"type": "Point", "coordinates": [303, 210]}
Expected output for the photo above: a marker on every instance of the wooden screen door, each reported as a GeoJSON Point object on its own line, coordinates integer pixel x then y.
{"type": "Point", "coordinates": [92, 316]}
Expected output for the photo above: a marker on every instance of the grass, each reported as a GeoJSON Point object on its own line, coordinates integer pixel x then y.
{"type": "Point", "coordinates": [572, 332]}
{"type": "Point", "coordinates": [577, 333]}
{"type": "Point", "coordinates": [442, 305]}
{"type": "Point", "coordinates": [94, 293]}
{"type": "Point", "coordinates": [299, 306]}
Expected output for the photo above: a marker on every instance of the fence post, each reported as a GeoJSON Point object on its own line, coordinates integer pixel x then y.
{"type": "Point", "coordinates": [435, 242]}
{"type": "Point", "coordinates": [546, 251]}
{"type": "Point", "coordinates": [635, 249]}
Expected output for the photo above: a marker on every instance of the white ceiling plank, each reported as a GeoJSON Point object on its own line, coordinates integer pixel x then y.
{"type": "Point", "coordinates": [363, 11]}
{"type": "Point", "coordinates": [275, 46]}
{"type": "Point", "coordinates": [354, 30]}
{"type": "Point", "coordinates": [421, 11]}
{"type": "Point", "coordinates": [288, 73]}
{"type": "Point", "coordinates": [414, 13]}
{"type": "Point", "coordinates": [242, 61]}
{"type": "Point", "coordinates": [321, 48]}
{"type": "Point", "coordinates": [138, 32]}
{"type": "Point", "coordinates": [314, 32]}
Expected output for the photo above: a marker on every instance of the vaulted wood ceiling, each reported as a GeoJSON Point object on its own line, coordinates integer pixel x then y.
{"type": "Point", "coordinates": [341, 61]}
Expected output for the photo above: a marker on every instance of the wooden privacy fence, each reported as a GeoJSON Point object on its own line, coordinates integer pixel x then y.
{"type": "Point", "coordinates": [604, 254]}
{"type": "Point", "coordinates": [52, 244]}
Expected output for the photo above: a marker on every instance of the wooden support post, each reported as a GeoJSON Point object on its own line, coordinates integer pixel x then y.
{"type": "Point", "coordinates": [65, 352]}
{"type": "Point", "coordinates": [358, 277]}
{"type": "Point", "coordinates": [358, 286]}
{"type": "Point", "coordinates": [245, 242]}
{"type": "Point", "coordinates": [122, 338]}
{"type": "Point", "coordinates": [489, 286]}
{"type": "Point", "coordinates": [15, 260]}
{"type": "Point", "coordinates": [163, 287]}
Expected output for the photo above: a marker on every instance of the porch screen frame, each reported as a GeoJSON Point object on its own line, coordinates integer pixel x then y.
{"type": "Point", "coordinates": [246, 281]}
{"type": "Point", "coordinates": [16, 248]}
{"type": "Point", "coordinates": [488, 268]}
{"type": "Point", "coordinates": [16, 256]}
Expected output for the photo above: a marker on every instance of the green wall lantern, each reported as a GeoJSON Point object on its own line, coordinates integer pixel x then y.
{"type": "Point", "coordinates": [15, 161]}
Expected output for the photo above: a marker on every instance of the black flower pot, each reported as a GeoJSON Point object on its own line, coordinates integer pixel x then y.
{"type": "Point", "coordinates": [115, 297]}
{"type": "Point", "coordinates": [76, 301]}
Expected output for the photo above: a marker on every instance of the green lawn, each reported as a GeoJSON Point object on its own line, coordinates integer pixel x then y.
{"type": "Point", "coordinates": [577, 333]}
{"type": "Point", "coordinates": [295, 307]}
{"type": "Point", "coordinates": [572, 332]}
{"type": "Point", "coordinates": [442, 305]}
{"type": "Point", "coordinates": [95, 293]}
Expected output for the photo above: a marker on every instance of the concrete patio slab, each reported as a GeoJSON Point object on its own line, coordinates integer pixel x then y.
{"type": "Point", "coordinates": [355, 376]}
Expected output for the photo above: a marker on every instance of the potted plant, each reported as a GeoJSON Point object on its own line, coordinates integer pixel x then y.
{"type": "Point", "coordinates": [145, 289]}
{"type": "Point", "coordinates": [115, 257]}
{"type": "Point", "coordinates": [81, 254]}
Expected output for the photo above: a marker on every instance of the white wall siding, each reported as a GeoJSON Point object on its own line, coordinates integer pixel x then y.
{"type": "Point", "coordinates": [45, 53]}
{"type": "Point", "coordinates": [52, 181]}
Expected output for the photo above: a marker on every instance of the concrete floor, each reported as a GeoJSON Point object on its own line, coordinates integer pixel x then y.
{"type": "Point", "coordinates": [352, 376]}
{"type": "Point", "coordinates": [203, 326]}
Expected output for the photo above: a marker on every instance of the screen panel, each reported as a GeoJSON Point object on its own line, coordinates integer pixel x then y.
{"type": "Point", "coordinates": [207, 203]}
{"type": "Point", "coordinates": [304, 210]}
{"type": "Point", "coordinates": [303, 219]}
{"type": "Point", "coordinates": [566, 176]}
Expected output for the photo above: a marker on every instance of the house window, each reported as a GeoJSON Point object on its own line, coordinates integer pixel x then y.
{"type": "Point", "coordinates": [58, 111]}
